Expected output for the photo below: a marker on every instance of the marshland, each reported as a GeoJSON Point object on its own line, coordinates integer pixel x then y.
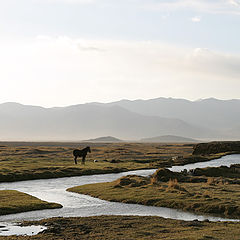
{"type": "Point", "coordinates": [141, 87]}
{"type": "Point", "coordinates": [212, 192]}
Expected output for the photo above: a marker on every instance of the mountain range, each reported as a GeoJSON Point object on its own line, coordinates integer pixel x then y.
{"type": "Point", "coordinates": [130, 120]}
{"type": "Point", "coordinates": [169, 139]}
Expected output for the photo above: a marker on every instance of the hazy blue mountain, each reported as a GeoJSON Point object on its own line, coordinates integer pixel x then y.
{"type": "Point", "coordinates": [169, 138]}
{"type": "Point", "coordinates": [84, 121]}
{"type": "Point", "coordinates": [211, 113]}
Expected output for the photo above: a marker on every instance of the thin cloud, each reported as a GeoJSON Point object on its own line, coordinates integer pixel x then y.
{"type": "Point", "coordinates": [68, 1]}
{"type": "Point", "coordinates": [234, 2]}
{"type": "Point", "coordinates": [196, 19]}
{"type": "Point", "coordinates": [214, 63]}
{"type": "Point", "coordinates": [77, 44]}
{"type": "Point", "coordinates": [68, 74]}
{"type": "Point", "coordinates": [206, 6]}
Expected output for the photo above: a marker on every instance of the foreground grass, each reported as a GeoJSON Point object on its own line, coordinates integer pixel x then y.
{"type": "Point", "coordinates": [212, 197]}
{"type": "Point", "coordinates": [26, 161]}
{"type": "Point", "coordinates": [12, 201]}
{"type": "Point", "coordinates": [131, 227]}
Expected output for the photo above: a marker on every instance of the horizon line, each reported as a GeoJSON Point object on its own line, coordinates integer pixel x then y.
{"type": "Point", "coordinates": [123, 99]}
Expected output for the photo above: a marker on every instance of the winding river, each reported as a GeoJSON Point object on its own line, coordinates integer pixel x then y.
{"type": "Point", "coordinates": [78, 205]}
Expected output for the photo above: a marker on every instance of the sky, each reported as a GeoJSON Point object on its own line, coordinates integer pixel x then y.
{"type": "Point", "coordinates": [65, 52]}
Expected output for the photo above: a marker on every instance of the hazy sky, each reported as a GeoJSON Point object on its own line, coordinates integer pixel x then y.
{"type": "Point", "coordinates": [63, 52]}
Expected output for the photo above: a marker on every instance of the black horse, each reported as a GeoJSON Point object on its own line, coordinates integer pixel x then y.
{"type": "Point", "coordinates": [81, 153]}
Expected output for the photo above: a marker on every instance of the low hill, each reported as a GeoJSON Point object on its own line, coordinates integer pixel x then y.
{"type": "Point", "coordinates": [169, 138]}
{"type": "Point", "coordinates": [104, 139]}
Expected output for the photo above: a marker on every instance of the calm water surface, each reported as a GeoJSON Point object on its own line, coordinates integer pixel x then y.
{"type": "Point", "coordinates": [223, 161]}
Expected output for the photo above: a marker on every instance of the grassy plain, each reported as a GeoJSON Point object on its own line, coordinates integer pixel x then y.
{"type": "Point", "coordinates": [25, 161]}
{"type": "Point", "coordinates": [131, 228]}
{"type": "Point", "coordinates": [12, 201]}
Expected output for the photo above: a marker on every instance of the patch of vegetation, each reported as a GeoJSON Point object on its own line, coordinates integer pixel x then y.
{"type": "Point", "coordinates": [164, 175]}
{"type": "Point", "coordinates": [26, 161]}
{"type": "Point", "coordinates": [217, 197]}
{"type": "Point", "coordinates": [12, 201]}
{"type": "Point", "coordinates": [228, 172]}
{"type": "Point", "coordinates": [216, 147]}
{"type": "Point", "coordinates": [131, 181]}
{"type": "Point", "coordinates": [131, 227]}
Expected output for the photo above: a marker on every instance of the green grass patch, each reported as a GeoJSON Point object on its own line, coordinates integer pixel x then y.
{"type": "Point", "coordinates": [12, 201]}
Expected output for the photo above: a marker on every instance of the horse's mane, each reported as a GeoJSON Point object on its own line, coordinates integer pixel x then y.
{"type": "Point", "coordinates": [87, 149]}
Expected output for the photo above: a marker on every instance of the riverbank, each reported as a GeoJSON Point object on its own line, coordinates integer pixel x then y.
{"type": "Point", "coordinates": [12, 201]}
{"type": "Point", "coordinates": [131, 227]}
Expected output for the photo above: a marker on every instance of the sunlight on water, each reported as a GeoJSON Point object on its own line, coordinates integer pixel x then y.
{"type": "Point", "coordinates": [223, 161]}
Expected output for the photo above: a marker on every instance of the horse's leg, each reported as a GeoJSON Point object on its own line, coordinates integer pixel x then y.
{"type": "Point", "coordinates": [83, 160]}
{"type": "Point", "coordinates": [75, 159]}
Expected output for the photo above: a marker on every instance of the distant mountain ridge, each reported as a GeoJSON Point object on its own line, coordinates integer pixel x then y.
{"type": "Point", "coordinates": [169, 139]}
{"type": "Point", "coordinates": [130, 120]}
{"type": "Point", "coordinates": [20, 122]}
{"type": "Point", "coordinates": [220, 115]}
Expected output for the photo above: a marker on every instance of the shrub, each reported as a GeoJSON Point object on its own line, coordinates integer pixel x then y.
{"type": "Point", "coordinates": [173, 184]}
{"type": "Point", "coordinates": [211, 181]}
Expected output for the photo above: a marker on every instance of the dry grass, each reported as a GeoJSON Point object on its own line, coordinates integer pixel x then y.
{"type": "Point", "coordinates": [174, 185]}
{"type": "Point", "coordinates": [218, 199]}
{"type": "Point", "coordinates": [132, 228]}
{"type": "Point", "coordinates": [211, 181]}
{"type": "Point", "coordinates": [24, 161]}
